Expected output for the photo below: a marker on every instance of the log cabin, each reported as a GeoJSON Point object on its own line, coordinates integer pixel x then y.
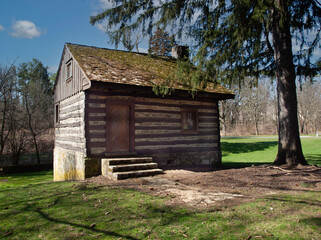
{"type": "Point", "coordinates": [107, 116]}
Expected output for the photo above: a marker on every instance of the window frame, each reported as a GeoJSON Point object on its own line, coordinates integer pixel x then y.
{"type": "Point", "coordinates": [57, 113]}
{"type": "Point", "coordinates": [193, 111]}
{"type": "Point", "coordinates": [69, 69]}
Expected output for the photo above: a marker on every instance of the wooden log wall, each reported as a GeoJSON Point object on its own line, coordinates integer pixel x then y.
{"type": "Point", "coordinates": [64, 87]}
{"type": "Point", "coordinates": [70, 130]}
{"type": "Point", "coordinates": [157, 124]}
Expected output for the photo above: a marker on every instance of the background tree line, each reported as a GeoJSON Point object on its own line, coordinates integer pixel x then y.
{"type": "Point", "coordinates": [26, 110]}
{"type": "Point", "coordinates": [253, 111]}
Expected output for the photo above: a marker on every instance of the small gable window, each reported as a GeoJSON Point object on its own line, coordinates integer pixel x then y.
{"type": "Point", "coordinates": [189, 120]}
{"type": "Point", "coordinates": [69, 68]}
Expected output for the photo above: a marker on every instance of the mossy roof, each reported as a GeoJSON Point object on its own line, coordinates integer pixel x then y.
{"type": "Point", "coordinates": [139, 69]}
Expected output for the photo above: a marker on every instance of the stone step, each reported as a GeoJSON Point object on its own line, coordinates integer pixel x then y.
{"type": "Point", "coordinates": [129, 160]}
{"type": "Point", "coordinates": [135, 174]}
{"type": "Point", "coordinates": [131, 167]}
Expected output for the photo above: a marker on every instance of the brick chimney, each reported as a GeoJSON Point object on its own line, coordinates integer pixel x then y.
{"type": "Point", "coordinates": [180, 52]}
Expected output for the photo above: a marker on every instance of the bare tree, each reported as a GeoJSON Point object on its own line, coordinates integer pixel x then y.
{"type": "Point", "coordinates": [309, 106]}
{"type": "Point", "coordinates": [255, 101]}
{"type": "Point", "coordinates": [7, 91]}
{"type": "Point", "coordinates": [18, 137]}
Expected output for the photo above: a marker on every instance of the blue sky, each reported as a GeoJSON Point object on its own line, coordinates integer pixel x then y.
{"type": "Point", "coordinates": [39, 28]}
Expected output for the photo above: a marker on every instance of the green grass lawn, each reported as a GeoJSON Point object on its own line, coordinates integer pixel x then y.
{"type": "Point", "coordinates": [73, 210]}
{"type": "Point", "coordinates": [33, 207]}
{"type": "Point", "coordinates": [249, 151]}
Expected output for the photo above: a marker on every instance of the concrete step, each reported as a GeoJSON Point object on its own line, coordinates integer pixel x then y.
{"type": "Point", "coordinates": [131, 167]}
{"type": "Point", "coordinates": [135, 174]}
{"type": "Point", "coordinates": [128, 160]}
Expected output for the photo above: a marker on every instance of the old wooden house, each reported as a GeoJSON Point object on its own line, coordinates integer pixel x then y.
{"type": "Point", "coordinates": [107, 116]}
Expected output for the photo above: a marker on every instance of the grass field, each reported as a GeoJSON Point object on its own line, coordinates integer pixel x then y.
{"type": "Point", "coordinates": [248, 151]}
{"type": "Point", "coordinates": [33, 207]}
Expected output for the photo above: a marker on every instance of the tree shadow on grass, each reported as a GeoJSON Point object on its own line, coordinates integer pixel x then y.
{"type": "Point", "coordinates": [235, 148]}
{"type": "Point", "coordinates": [301, 200]}
{"type": "Point", "coordinates": [107, 233]}
{"type": "Point", "coordinates": [313, 159]}
{"type": "Point", "coordinates": [313, 221]}
{"type": "Point", "coordinates": [229, 148]}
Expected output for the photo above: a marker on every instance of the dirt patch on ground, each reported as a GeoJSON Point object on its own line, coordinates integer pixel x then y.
{"type": "Point", "coordinates": [222, 187]}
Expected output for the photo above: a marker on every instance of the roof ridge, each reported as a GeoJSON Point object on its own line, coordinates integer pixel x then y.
{"type": "Point", "coordinates": [104, 48]}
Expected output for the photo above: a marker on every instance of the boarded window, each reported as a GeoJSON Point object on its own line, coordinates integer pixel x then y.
{"type": "Point", "coordinates": [189, 120]}
{"type": "Point", "coordinates": [69, 69]}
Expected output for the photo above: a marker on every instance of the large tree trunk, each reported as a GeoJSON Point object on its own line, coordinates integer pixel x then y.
{"type": "Point", "coordinates": [289, 144]}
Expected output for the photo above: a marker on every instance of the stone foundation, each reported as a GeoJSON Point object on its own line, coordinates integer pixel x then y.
{"type": "Point", "coordinates": [197, 159]}
{"type": "Point", "coordinates": [68, 165]}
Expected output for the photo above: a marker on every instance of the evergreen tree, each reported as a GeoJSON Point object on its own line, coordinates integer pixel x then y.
{"type": "Point", "coordinates": [35, 88]}
{"type": "Point", "coordinates": [161, 43]}
{"type": "Point", "coordinates": [239, 38]}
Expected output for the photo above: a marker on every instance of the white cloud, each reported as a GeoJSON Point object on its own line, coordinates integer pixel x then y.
{"type": "Point", "coordinates": [102, 26]}
{"type": "Point", "coordinates": [25, 29]}
{"type": "Point", "coordinates": [52, 69]}
{"type": "Point", "coordinates": [1, 28]}
{"type": "Point", "coordinates": [106, 4]}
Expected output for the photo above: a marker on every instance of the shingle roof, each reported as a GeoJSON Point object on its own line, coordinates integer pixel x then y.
{"type": "Point", "coordinates": [114, 66]}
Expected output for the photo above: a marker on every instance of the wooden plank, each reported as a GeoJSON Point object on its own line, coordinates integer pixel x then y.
{"type": "Point", "coordinates": [175, 104]}
{"type": "Point", "coordinates": [97, 137]}
{"type": "Point", "coordinates": [95, 96]}
{"type": "Point", "coordinates": [77, 115]}
{"type": "Point", "coordinates": [97, 110]}
{"type": "Point", "coordinates": [94, 132]}
{"type": "Point", "coordinates": [97, 105]}
{"type": "Point", "coordinates": [167, 108]}
{"type": "Point", "coordinates": [67, 125]}
{"type": "Point", "coordinates": [96, 119]}
{"type": "Point", "coordinates": [157, 120]}
{"type": "Point", "coordinates": [174, 138]}
{"type": "Point", "coordinates": [174, 101]}
{"type": "Point", "coordinates": [72, 139]}
{"type": "Point", "coordinates": [76, 149]}
{"type": "Point", "coordinates": [98, 101]}
{"type": "Point", "coordinates": [204, 114]}
{"type": "Point", "coordinates": [153, 127]}
{"type": "Point", "coordinates": [69, 144]}
{"type": "Point", "coordinates": [158, 124]}
{"type": "Point", "coordinates": [157, 132]}
{"type": "Point", "coordinates": [207, 124]}
{"type": "Point", "coordinates": [69, 131]}
{"type": "Point", "coordinates": [72, 100]}
{"type": "Point", "coordinates": [91, 114]}
{"type": "Point", "coordinates": [93, 123]}
{"type": "Point", "coordinates": [146, 151]}
{"type": "Point", "coordinates": [178, 143]}
{"type": "Point", "coordinates": [207, 110]}
{"type": "Point", "coordinates": [96, 144]}
{"type": "Point", "coordinates": [175, 134]}
{"type": "Point", "coordinates": [97, 127]}
{"type": "Point", "coordinates": [71, 109]}
{"type": "Point", "coordinates": [97, 150]}
{"type": "Point", "coordinates": [144, 115]}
